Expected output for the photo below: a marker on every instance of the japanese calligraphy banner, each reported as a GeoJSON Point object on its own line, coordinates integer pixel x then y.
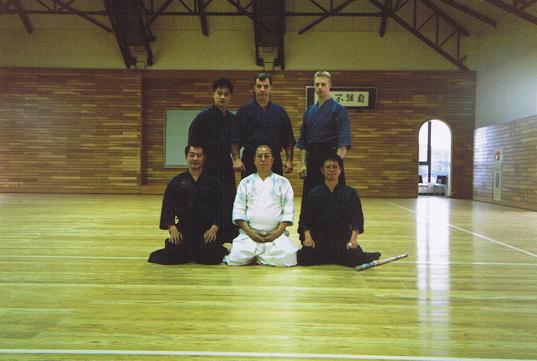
{"type": "Point", "coordinates": [360, 98]}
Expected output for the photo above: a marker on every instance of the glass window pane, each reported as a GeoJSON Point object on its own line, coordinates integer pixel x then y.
{"type": "Point", "coordinates": [424, 134]}
{"type": "Point", "coordinates": [424, 172]}
{"type": "Point", "coordinates": [441, 149]}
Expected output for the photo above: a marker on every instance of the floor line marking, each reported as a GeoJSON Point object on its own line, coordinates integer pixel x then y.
{"type": "Point", "coordinates": [77, 257]}
{"type": "Point", "coordinates": [247, 354]}
{"type": "Point", "coordinates": [476, 234]}
{"type": "Point", "coordinates": [508, 264]}
{"type": "Point", "coordinates": [514, 264]}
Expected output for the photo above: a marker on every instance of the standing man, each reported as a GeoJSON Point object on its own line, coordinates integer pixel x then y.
{"type": "Point", "coordinates": [262, 122]}
{"type": "Point", "coordinates": [325, 131]}
{"type": "Point", "coordinates": [263, 209]}
{"type": "Point", "coordinates": [212, 129]}
{"type": "Point", "coordinates": [332, 219]}
{"type": "Point", "coordinates": [192, 214]}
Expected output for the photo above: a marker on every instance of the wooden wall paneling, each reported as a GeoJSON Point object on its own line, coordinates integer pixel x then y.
{"type": "Point", "coordinates": [70, 131]}
{"type": "Point", "coordinates": [102, 131]}
{"type": "Point", "coordinates": [518, 141]}
{"type": "Point", "coordinates": [384, 159]}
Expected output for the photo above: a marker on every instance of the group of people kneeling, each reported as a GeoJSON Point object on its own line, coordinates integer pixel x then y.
{"type": "Point", "coordinates": [331, 218]}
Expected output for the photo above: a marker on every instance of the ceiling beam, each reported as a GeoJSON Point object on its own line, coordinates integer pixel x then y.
{"type": "Point", "coordinates": [162, 11]}
{"type": "Point", "coordinates": [241, 10]}
{"type": "Point", "coordinates": [144, 31]}
{"type": "Point", "coordinates": [514, 10]}
{"type": "Point", "coordinates": [159, 12]}
{"type": "Point", "coordinates": [469, 11]}
{"type": "Point", "coordinates": [203, 17]}
{"type": "Point", "coordinates": [186, 6]}
{"type": "Point", "coordinates": [269, 32]}
{"type": "Point", "coordinates": [65, 5]}
{"type": "Point", "coordinates": [280, 60]}
{"type": "Point", "coordinates": [447, 18]}
{"type": "Point", "coordinates": [24, 18]}
{"type": "Point", "coordinates": [5, 5]}
{"type": "Point", "coordinates": [115, 18]}
{"type": "Point", "coordinates": [436, 45]}
{"type": "Point", "coordinates": [82, 15]}
{"type": "Point", "coordinates": [386, 10]}
{"type": "Point", "coordinates": [527, 4]}
{"type": "Point", "coordinates": [319, 6]}
{"type": "Point", "coordinates": [132, 32]}
{"type": "Point", "coordinates": [341, 15]}
{"type": "Point", "coordinates": [335, 10]}
{"type": "Point", "coordinates": [399, 4]}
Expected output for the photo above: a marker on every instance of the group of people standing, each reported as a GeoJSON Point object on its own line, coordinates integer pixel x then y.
{"type": "Point", "coordinates": [202, 208]}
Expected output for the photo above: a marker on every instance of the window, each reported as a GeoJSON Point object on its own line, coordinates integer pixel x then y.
{"type": "Point", "coordinates": [434, 151]}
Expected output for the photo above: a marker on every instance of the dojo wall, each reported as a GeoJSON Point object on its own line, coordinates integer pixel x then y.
{"type": "Point", "coordinates": [506, 73]}
{"type": "Point", "coordinates": [102, 131]}
{"type": "Point", "coordinates": [506, 113]}
{"type": "Point", "coordinates": [518, 142]}
{"type": "Point", "coordinates": [70, 131]}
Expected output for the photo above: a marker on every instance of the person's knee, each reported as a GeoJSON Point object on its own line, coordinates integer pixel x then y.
{"type": "Point", "coordinates": [211, 260]}
{"type": "Point", "coordinates": [355, 257]}
{"type": "Point", "coordinates": [239, 257]}
{"type": "Point", "coordinates": [212, 253]}
{"type": "Point", "coordinates": [287, 260]}
{"type": "Point", "coordinates": [233, 260]}
{"type": "Point", "coordinates": [307, 256]}
{"type": "Point", "coordinates": [243, 251]}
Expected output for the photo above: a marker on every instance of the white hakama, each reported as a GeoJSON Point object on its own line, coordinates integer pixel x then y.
{"type": "Point", "coordinates": [264, 204]}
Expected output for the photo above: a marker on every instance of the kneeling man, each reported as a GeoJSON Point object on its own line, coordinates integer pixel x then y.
{"type": "Point", "coordinates": [192, 213]}
{"type": "Point", "coordinates": [332, 220]}
{"type": "Point", "coordinates": [263, 208]}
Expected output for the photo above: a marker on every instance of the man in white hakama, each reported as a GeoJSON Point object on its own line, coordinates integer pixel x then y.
{"type": "Point", "coordinates": [263, 208]}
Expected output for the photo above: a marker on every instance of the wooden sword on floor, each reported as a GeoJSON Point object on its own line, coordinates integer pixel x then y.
{"type": "Point", "coordinates": [379, 262]}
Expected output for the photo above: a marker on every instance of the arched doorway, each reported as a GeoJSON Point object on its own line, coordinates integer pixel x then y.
{"type": "Point", "coordinates": [434, 167]}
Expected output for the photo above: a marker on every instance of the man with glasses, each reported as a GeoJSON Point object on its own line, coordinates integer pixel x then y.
{"type": "Point", "coordinates": [325, 131]}
{"type": "Point", "coordinates": [332, 219]}
{"type": "Point", "coordinates": [262, 122]}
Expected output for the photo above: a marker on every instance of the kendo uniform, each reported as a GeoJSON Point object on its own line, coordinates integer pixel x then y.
{"type": "Point", "coordinates": [264, 204]}
{"type": "Point", "coordinates": [197, 205]}
{"type": "Point", "coordinates": [324, 129]}
{"type": "Point", "coordinates": [257, 126]}
{"type": "Point", "coordinates": [331, 217]}
{"type": "Point", "coordinates": [212, 130]}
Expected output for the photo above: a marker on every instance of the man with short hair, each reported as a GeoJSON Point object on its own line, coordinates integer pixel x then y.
{"type": "Point", "coordinates": [192, 214]}
{"type": "Point", "coordinates": [212, 129]}
{"type": "Point", "coordinates": [332, 219]}
{"type": "Point", "coordinates": [325, 131]}
{"type": "Point", "coordinates": [262, 122]}
{"type": "Point", "coordinates": [263, 208]}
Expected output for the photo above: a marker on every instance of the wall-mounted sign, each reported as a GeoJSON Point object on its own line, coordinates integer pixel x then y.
{"type": "Point", "coordinates": [498, 156]}
{"type": "Point", "coordinates": [358, 98]}
{"type": "Point", "coordinates": [497, 181]}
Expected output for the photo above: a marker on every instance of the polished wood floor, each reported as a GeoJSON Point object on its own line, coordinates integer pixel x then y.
{"type": "Point", "coordinates": [75, 285]}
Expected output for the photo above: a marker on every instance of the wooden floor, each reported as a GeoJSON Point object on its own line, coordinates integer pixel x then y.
{"type": "Point", "coordinates": [75, 285]}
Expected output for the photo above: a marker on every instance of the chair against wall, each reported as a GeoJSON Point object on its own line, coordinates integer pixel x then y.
{"type": "Point", "coordinates": [424, 188]}
{"type": "Point", "coordinates": [441, 185]}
